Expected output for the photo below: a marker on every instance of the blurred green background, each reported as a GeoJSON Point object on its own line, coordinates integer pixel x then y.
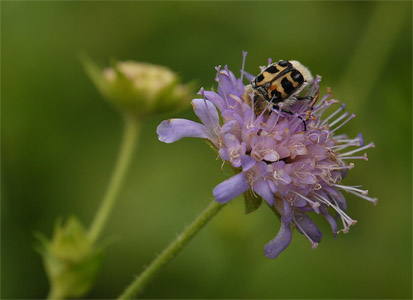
{"type": "Point", "coordinates": [60, 141]}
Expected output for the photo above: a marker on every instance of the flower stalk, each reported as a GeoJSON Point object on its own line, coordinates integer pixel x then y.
{"type": "Point", "coordinates": [132, 128]}
{"type": "Point", "coordinates": [137, 286]}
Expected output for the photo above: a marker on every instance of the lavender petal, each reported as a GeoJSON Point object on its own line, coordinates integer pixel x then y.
{"type": "Point", "coordinates": [231, 188]}
{"type": "Point", "coordinates": [262, 188]}
{"type": "Point", "coordinates": [216, 99]}
{"type": "Point", "coordinates": [281, 241]}
{"type": "Point", "coordinates": [206, 112]}
{"type": "Point", "coordinates": [231, 141]}
{"type": "Point", "coordinates": [172, 130]}
{"type": "Point", "coordinates": [228, 126]}
{"type": "Point", "coordinates": [247, 162]}
{"type": "Point", "coordinates": [309, 227]}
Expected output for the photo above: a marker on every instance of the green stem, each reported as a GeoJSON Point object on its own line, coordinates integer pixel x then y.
{"type": "Point", "coordinates": [118, 175]}
{"type": "Point", "coordinates": [140, 282]}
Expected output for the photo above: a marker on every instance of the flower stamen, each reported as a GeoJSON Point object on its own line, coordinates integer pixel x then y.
{"type": "Point", "coordinates": [344, 123]}
{"type": "Point", "coordinates": [313, 244]}
{"type": "Point", "coordinates": [244, 58]}
{"type": "Point", "coordinates": [351, 188]}
{"type": "Point", "coordinates": [341, 108]}
{"type": "Point", "coordinates": [363, 157]}
{"type": "Point", "coordinates": [314, 205]}
{"type": "Point", "coordinates": [344, 115]}
{"type": "Point", "coordinates": [370, 145]}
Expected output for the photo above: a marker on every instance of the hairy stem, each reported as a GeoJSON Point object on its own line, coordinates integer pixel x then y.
{"type": "Point", "coordinates": [140, 282]}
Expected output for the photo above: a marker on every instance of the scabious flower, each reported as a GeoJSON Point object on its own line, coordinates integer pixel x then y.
{"type": "Point", "coordinates": [295, 170]}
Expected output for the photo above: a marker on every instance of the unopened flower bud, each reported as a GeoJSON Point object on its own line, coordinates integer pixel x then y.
{"type": "Point", "coordinates": [71, 261]}
{"type": "Point", "coordinates": [140, 89]}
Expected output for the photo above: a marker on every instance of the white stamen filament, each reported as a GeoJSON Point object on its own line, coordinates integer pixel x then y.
{"type": "Point", "coordinates": [234, 153]}
{"type": "Point", "coordinates": [244, 57]}
{"type": "Point", "coordinates": [344, 146]}
{"type": "Point", "coordinates": [334, 168]}
{"type": "Point", "coordinates": [350, 166]}
{"type": "Point", "coordinates": [314, 244]}
{"type": "Point", "coordinates": [303, 175]}
{"type": "Point", "coordinates": [327, 132]}
{"type": "Point", "coordinates": [364, 157]}
{"type": "Point", "coordinates": [270, 151]}
{"type": "Point", "coordinates": [314, 205]}
{"type": "Point", "coordinates": [351, 188]}
{"type": "Point", "coordinates": [342, 107]}
{"type": "Point", "coordinates": [278, 178]}
{"type": "Point", "coordinates": [341, 137]}
{"type": "Point", "coordinates": [325, 105]}
{"type": "Point", "coordinates": [322, 199]}
{"type": "Point", "coordinates": [372, 200]}
{"type": "Point", "coordinates": [320, 107]}
{"type": "Point", "coordinates": [344, 123]}
{"type": "Point", "coordinates": [371, 145]}
{"type": "Point", "coordinates": [349, 142]}
{"type": "Point", "coordinates": [308, 137]}
{"type": "Point", "coordinates": [251, 177]}
{"type": "Point", "coordinates": [344, 115]}
{"type": "Point", "coordinates": [321, 103]}
{"type": "Point", "coordinates": [346, 220]}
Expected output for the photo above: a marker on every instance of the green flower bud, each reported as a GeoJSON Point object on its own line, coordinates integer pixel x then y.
{"type": "Point", "coordinates": [140, 89]}
{"type": "Point", "coordinates": [70, 260]}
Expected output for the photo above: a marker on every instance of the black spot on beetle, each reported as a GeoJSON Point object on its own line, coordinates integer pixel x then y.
{"type": "Point", "coordinates": [286, 84]}
{"type": "Point", "coordinates": [259, 78]}
{"type": "Point", "coordinates": [275, 96]}
{"type": "Point", "coordinates": [284, 63]}
{"type": "Point", "coordinates": [272, 69]}
{"type": "Point", "coordinates": [296, 75]}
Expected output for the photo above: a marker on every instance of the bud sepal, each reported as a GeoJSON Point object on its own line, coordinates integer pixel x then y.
{"type": "Point", "coordinates": [140, 89]}
{"type": "Point", "coordinates": [70, 259]}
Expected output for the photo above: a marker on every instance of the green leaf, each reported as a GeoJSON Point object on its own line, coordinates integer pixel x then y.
{"type": "Point", "coordinates": [252, 201]}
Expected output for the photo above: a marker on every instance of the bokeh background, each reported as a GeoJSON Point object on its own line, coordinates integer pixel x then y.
{"type": "Point", "coordinates": [60, 141]}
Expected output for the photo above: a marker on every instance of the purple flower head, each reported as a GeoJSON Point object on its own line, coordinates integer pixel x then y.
{"type": "Point", "coordinates": [296, 169]}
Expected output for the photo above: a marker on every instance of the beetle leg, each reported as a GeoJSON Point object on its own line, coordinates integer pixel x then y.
{"type": "Point", "coordinates": [293, 114]}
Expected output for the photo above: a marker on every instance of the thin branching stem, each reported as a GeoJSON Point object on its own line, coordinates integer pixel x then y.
{"type": "Point", "coordinates": [130, 135]}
